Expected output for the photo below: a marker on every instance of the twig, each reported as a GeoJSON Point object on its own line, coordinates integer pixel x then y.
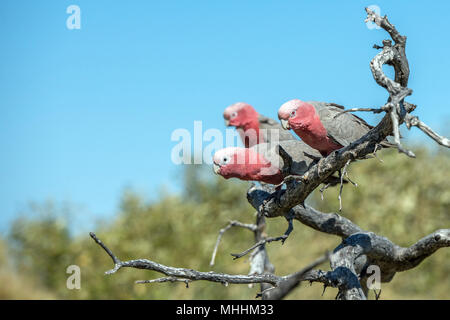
{"type": "Point", "coordinates": [258, 244]}
{"type": "Point", "coordinates": [251, 227]}
{"type": "Point", "coordinates": [342, 174]}
{"type": "Point", "coordinates": [413, 121]}
{"type": "Point", "coordinates": [377, 295]}
{"type": "Point", "coordinates": [374, 110]}
{"type": "Point", "coordinates": [166, 279]}
{"type": "Point", "coordinates": [116, 261]}
{"type": "Point", "coordinates": [395, 124]}
{"type": "Point", "coordinates": [264, 240]}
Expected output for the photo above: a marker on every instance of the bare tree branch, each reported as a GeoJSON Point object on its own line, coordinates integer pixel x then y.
{"type": "Point", "coordinates": [259, 259]}
{"type": "Point", "coordinates": [386, 108]}
{"type": "Point", "coordinates": [291, 282]}
{"type": "Point", "coordinates": [256, 245]}
{"type": "Point", "coordinates": [378, 250]}
{"type": "Point", "coordinates": [413, 121]}
{"type": "Point", "coordinates": [395, 124]}
{"type": "Point", "coordinates": [167, 279]}
{"type": "Point", "coordinates": [184, 273]}
{"type": "Point", "coordinates": [331, 223]}
{"type": "Point", "coordinates": [251, 227]}
{"type": "Point", "coordinates": [399, 61]}
{"type": "Point", "coordinates": [374, 110]}
{"type": "Point", "coordinates": [189, 275]}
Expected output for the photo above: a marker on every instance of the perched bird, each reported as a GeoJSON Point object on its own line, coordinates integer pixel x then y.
{"type": "Point", "coordinates": [322, 125]}
{"type": "Point", "coordinates": [263, 163]}
{"type": "Point", "coordinates": [253, 127]}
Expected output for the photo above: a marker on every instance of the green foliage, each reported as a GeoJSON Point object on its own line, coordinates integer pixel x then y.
{"type": "Point", "coordinates": [16, 285]}
{"type": "Point", "coordinates": [401, 198]}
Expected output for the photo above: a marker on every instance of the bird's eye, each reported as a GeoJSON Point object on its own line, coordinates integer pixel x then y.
{"type": "Point", "coordinates": [225, 160]}
{"type": "Point", "coordinates": [234, 115]}
{"type": "Point", "coordinates": [293, 113]}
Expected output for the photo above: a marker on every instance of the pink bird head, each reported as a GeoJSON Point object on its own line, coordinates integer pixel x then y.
{"type": "Point", "coordinates": [240, 115]}
{"type": "Point", "coordinates": [297, 114]}
{"type": "Point", "coordinates": [245, 164]}
{"type": "Point", "coordinates": [303, 118]}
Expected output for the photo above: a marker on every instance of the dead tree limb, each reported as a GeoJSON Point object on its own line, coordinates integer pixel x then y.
{"type": "Point", "coordinates": [413, 121]}
{"type": "Point", "coordinates": [251, 227]}
{"type": "Point", "coordinates": [189, 275]}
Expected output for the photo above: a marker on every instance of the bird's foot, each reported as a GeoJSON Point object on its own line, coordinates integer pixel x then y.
{"type": "Point", "coordinates": [374, 153]}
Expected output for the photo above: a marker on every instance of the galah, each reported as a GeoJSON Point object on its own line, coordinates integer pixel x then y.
{"type": "Point", "coordinates": [254, 128]}
{"type": "Point", "coordinates": [322, 125]}
{"type": "Point", "coordinates": [263, 163]}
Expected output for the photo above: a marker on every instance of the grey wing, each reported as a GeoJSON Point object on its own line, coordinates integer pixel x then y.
{"type": "Point", "coordinates": [270, 153]}
{"type": "Point", "coordinates": [323, 105]}
{"type": "Point", "coordinates": [269, 124]}
{"type": "Point", "coordinates": [303, 156]}
{"type": "Point", "coordinates": [343, 128]}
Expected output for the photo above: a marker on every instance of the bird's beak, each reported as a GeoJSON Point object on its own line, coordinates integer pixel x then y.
{"type": "Point", "coordinates": [227, 122]}
{"type": "Point", "coordinates": [285, 124]}
{"type": "Point", "coordinates": [216, 168]}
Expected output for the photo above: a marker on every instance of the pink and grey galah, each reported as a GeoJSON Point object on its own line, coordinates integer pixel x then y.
{"type": "Point", "coordinates": [254, 128]}
{"type": "Point", "coordinates": [263, 163]}
{"type": "Point", "coordinates": [322, 125]}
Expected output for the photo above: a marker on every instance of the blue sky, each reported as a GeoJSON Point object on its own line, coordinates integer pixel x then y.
{"type": "Point", "coordinates": [86, 113]}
